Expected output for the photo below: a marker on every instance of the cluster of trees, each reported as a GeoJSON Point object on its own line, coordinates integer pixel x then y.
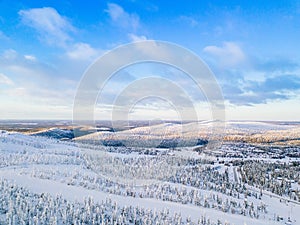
{"type": "Point", "coordinates": [19, 139]}
{"type": "Point", "coordinates": [274, 177]}
{"type": "Point", "coordinates": [9, 159]}
{"type": "Point", "coordinates": [270, 136]}
{"type": "Point", "coordinates": [210, 189]}
{"type": "Point", "coordinates": [24, 150]}
{"type": "Point", "coordinates": [23, 207]}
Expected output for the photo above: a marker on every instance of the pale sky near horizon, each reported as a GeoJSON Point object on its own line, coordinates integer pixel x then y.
{"type": "Point", "coordinates": [251, 47]}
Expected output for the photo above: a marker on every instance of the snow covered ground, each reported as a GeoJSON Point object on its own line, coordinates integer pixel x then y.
{"type": "Point", "coordinates": [44, 165]}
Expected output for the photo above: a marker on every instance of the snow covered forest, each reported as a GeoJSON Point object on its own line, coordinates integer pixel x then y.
{"type": "Point", "coordinates": [44, 180]}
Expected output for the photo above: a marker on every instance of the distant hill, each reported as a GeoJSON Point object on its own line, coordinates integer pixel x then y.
{"type": "Point", "coordinates": [56, 133]}
{"type": "Point", "coordinates": [168, 135]}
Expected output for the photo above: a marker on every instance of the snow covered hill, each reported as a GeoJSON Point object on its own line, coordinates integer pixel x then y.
{"type": "Point", "coordinates": [198, 133]}
{"type": "Point", "coordinates": [53, 181]}
{"type": "Point", "coordinates": [55, 133]}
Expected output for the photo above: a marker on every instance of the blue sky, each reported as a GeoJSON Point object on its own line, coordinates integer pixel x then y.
{"type": "Point", "coordinates": [252, 48]}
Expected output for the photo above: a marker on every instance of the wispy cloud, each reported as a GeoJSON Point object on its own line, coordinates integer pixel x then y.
{"type": "Point", "coordinates": [22, 65]}
{"type": "Point", "coordinates": [5, 80]}
{"type": "Point", "coordinates": [56, 30]}
{"type": "Point", "coordinates": [9, 54]}
{"type": "Point", "coordinates": [122, 18]}
{"type": "Point", "coordinates": [253, 80]}
{"type": "Point", "coordinates": [229, 54]}
{"type": "Point", "coordinates": [52, 27]}
{"type": "Point", "coordinates": [135, 38]}
{"type": "Point", "coordinates": [272, 65]}
{"type": "Point", "coordinates": [30, 57]}
{"type": "Point", "coordinates": [277, 84]}
{"type": "Point", "coordinates": [3, 36]}
{"type": "Point", "coordinates": [27, 71]}
{"type": "Point", "coordinates": [260, 92]}
{"type": "Point", "coordinates": [82, 51]}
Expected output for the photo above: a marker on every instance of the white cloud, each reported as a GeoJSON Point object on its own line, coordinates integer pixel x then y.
{"type": "Point", "coordinates": [122, 18]}
{"type": "Point", "coordinates": [52, 27]}
{"type": "Point", "coordinates": [135, 38]}
{"type": "Point", "coordinates": [30, 57]}
{"type": "Point", "coordinates": [55, 29]}
{"type": "Point", "coordinates": [229, 54]}
{"type": "Point", "coordinates": [20, 65]}
{"type": "Point", "coordinates": [5, 80]}
{"type": "Point", "coordinates": [82, 51]}
{"type": "Point", "coordinates": [10, 54]}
